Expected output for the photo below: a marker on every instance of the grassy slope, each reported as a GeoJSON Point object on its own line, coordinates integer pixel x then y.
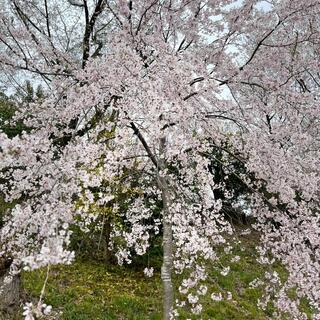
{"type": "Point", "coordinates": [91, 290]}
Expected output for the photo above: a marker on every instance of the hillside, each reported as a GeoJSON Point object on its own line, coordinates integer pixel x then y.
{"type": "Point", "coordinates": [92, 290]}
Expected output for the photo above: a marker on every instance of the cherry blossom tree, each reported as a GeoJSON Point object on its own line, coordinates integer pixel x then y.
{"type": "Point", "coordinates": [152, 87]}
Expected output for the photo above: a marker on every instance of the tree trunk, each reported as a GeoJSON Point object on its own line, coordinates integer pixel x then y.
{"type": "Point", "coordinates": [166, 269]}
{"type": "Point", "coordinates": [107, 234]}
{"type": "Point", "coordinates": [10, 292]}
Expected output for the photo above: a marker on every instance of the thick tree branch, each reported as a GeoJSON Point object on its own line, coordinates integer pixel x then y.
{"type": "Point", "coordinates": [90, 22]}
{"type": "Point", "coordinates": [145, 144]}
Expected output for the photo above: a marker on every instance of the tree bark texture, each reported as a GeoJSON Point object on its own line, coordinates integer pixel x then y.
{"type": "Point", "coordinates": [166, 269]}
{"type": "Point", "coordinates": [10, 292]}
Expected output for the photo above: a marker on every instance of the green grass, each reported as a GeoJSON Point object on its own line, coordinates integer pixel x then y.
{"type": "Point", "coordinates": [91, 290]}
